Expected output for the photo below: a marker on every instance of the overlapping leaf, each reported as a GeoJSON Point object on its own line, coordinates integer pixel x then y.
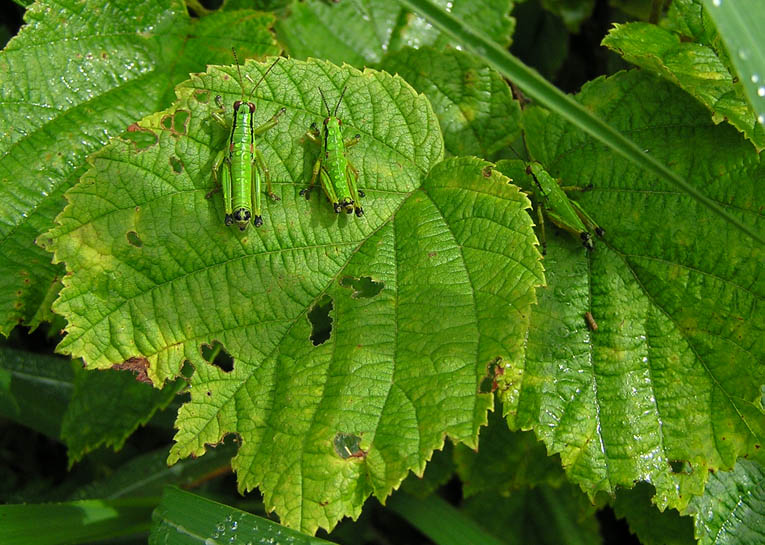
{"type": "Point", "coordinates": [647, 523]}
{"type": "Point", "coordinates": [732, 509]}
{"type": "Point", "coordinates": [76, 75]}
{"type": "Point", "coordinates": [106, 408]}
{"type": "Point", "coordinates": [35, 389]}
{"type": "Point", "coordinates": [361, 32]}
{"type": "Point", "coordinates": [695, 66]}
{"type": "Point", "coordinates": [741, 25]}
{"type": "Point", "coordinates": [474, 105]}
{"type": "Point", "coordinates": [432, 285]}
{"type": "Point", "coordinates": [669, 386]}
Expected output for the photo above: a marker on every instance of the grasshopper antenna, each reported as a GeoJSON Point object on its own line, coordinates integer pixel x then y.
{"type": "Point", "coordinates": [339, 100]}
{"type": "Point", "coordinates": [241, 82]}
{"type": "Point", "coordinates": [263, 77]}
{"type": "Point", "coordinates": [324, 100]}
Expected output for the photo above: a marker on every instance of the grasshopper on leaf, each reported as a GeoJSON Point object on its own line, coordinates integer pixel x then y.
{"type": "Point", "coordinates": [241, 162]}
{"type": "Point", "coordinates": [550, 200]}
{"type": "Point", "coordinates": [337, 175]}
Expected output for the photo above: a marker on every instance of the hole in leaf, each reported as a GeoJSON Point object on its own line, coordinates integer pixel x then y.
{"type": "Point", "coordinates": [487, 170]}
{"type": "Point", "coordinates": [362, 287]}
{"type": "Point", "coordinates": [321, 323]}
{"type": "Point", "coordinates": [202, 96]}
{"type": "Point", "coordinates": [176, 164]}
{"type": "Point", "coordinates": [180, 121]}
{"type": "Point", "coordinates": [141, 138]}
{"type": "Point", "coordinates": [348, 445]}
{"type": "Point", "coordinates": [215, 354]}
{"type": "Point", "coordinates": [167, 122]}
{"type": "Point", "coordinates": [134, 239]}
{"type": "Point", "coordinates": [681, 466]}
{"type": "Point", "coordinates": [494, 370]}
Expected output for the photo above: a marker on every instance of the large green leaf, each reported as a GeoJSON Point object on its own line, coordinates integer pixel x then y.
{"type": "Point", "coordinates": [732, 509]}
{"type": "Point", "coordinates": [432, 285]}
{"type": "Point", "coordinates": [695, 67]}
{"type": "Point", "coordinates": [77, 74]}
{"type": "Point", "coordinates": [669, 386]}
{"type": "Point", "coordinates": [474, 105]}
{"type": "Point", "coordinates": [361, 32]}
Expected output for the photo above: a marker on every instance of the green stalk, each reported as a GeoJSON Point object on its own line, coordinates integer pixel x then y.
{"type": "Point", "coordinates": [551, 97]}
{"type": "Point", "coordinates": [439, 520]}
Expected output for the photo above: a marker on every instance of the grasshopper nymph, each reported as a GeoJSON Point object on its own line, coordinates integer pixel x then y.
{"type": "Point", "coordinates": [337, 175]}
{"type": "Point", "coordinates": [241, 161]}
{"type": "Point", "coordinates": [550, 200]}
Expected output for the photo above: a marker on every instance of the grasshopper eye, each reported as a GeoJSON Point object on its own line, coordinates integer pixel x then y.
{"type": "Point", "coordinates": [237, 104]}
{"type": "Point", "coordinates": [252, 107]}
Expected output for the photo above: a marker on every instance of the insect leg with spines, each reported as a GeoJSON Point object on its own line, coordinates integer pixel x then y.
{"type": "Point", "coordinates": [241, 162]}
{"type": "Point", "coordinates": [337, 175]}
{"type": "Point", "coordinates": [551, 200]}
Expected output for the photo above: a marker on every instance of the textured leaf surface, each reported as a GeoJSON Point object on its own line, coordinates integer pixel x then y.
{"type": "Point", "coordinates": [361, 32]}
{"type": "Point", "coordinates": [732, 509]}
{"type": "Point", "coordinates": [474, 105]}
{"type": "Point", "coordinates": [35, 389]}
{"type": "Point", "coordinates": [77, 74]}
{"type": "Point", "coordinates": [184, 518]}
{"type": "Point", "coordinates": [673, 374]}
{"type": "Point", "coordinates": [450, 256]}
{"type": "Point", "coordinates": [106, 408]}
{"type": "Point", "coordinates": [695, 67]}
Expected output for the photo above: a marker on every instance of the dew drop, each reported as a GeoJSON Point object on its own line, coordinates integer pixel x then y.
{"type": "Point", "coordinates": [743, 54]}
{"type": "Point", "coordinates": [761, 119]}
{"type": "Point", "coordinates": [761, 91]}
{"type": "Point", "coordinates": [717, 3]}
{"type": "Point", "coordinates": [755, 78]}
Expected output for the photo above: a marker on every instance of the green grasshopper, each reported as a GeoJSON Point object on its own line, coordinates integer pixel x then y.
{"type": "Point", "coordinates": [338, 177]}
{"type": "Point", "coordinates": [551, 199]}
{"type": "Point", "coordinates": [241, 160]}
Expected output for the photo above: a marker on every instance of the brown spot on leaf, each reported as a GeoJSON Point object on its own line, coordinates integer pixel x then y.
{"type": "Point", "coordinates": [138, 366]}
